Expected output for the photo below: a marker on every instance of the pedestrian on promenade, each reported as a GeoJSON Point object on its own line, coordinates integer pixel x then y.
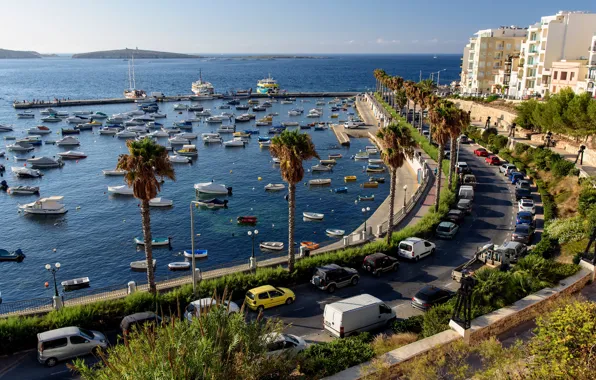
{"type": "Point", "coordinates": [512, 130]}
{"type": "Point", "coordinates": [487, 124]}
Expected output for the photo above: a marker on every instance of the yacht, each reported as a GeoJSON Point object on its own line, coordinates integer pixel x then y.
{"type": "Point", "coordinates": [212, 188]}
{"type": "Point", "coordinates": [211, 138]}
{"type": "Point", "coordinates": [120, 190]}
{"type": "Point", "coordinates": [203, 89]}
{"type": "Point", "coordinates": [20, 147]}
{"type": "Point", "coordinates": [158, 134]}
{"type": "Point", "coordinates": [23, 172]}
{"type": "Point", "coordinates": [178, 141]}
{"type": "Point", "coordinates": [32, 139]}
{"type": "Point", "coordinates": [83, 113]}
{"type": "Point", "coordinates": [206, 112]}
{"type": "Point", "coordinates": [137, 128]}
{"type": "Point", "coordinates": [45, 206]}
{"type": "Point", "coordinates": [76, 120]}
{"type": "Point", "coordinates": [235, 142]}
{"type": "Point", "coordinates": [99, 116]}
{"type": "Point", "coordinates": [45, 162]}
{"type": "Point", "coordinates": [180, 107]}
{"type": "Point", "coordinates": [68, 140]}
{"type": "Point", "coordinates": [25, 115]}
{"type": "Point", "coordinates": [187, 135]}
{"type": "Point", "coordinates": [6, 128]}
{"type": "Point", "coordinates": [51, 119]}
{"type": "Point", "coordinates": [157, 115]}
{"type": "Point", "coordinates": [126, 134]}
{"type": "Point", "coordinates": [39, 130]}
{"type": "Point", "coordinates": [108, 131]}
{"type": "Point", "coordinates": [132, 92]}
{"type": "Point", "coordinates": [267, 86]}
{"type": "Point", "coordinates": [72, 155]}
{"type": "Point", "coordinates": [48, 111]}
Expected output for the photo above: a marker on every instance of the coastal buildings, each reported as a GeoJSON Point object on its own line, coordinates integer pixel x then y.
{"type": "Point", "coordinates": [486, 55]}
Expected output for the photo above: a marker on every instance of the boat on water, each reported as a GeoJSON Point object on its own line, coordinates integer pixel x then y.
{"type": "Point", "coordinates": [158, 134]}
{"type": "Point", "coordinates": [141, 265]}
{"type": "Point", "coordinates": [45, 162]}
{"type": "Point", "coordinates": [376, 161]}
{"type": "Point", "coordinates": [335, 232]}
{"type": "Point", "coordinates": [25, 115]}
{"type": "Point", "coordinates": [375, 169]}
{"type": "Point", "coordinates": [157, 115]}
{"type": "Point", "coordinates": [106, 131]}
{"type": "Point", "coordinates": [20, 147]}
{"type": "Point", "coordinates": [290, 124]}
{"type": "Point", "coordinates": [366, 197]}
{"type": "Point", "coordinates": [272, 245]}
{"type": "Point", "coordinates": [75, 284]}
{"type": "Point", "coordinates": [155, 242]}
{"type": "Point", "coordinates": [320, 182]}
{"type": "Point", "coordinates": [361, 156]}
{"type": "Point", "coordinates": [377, 179]}
{"type": "Point", "coordinates": [196, 108]}
{"type": "Point", "coordinates": [76, 120]}
{"type": "Point", "coordinates": [313, 215]}
{"type": "Point", "coordinates": [343, 189]}
{"type": "Point", "coordinates": [72, 155]}
{"type": "Point", "coordinates": [132, 92]}
{"type": "Point", "coordinates": [213, 203]}
{"type": "Point", "coordinates": [267, 86]}
{"type": "Point", "coordinates": [114, 172]}
{"type": "Point", "coordinates": [176, 140]}
{"type": "Point", "coordinates": [211, 138]}
{"type": "Point", "coordinates": [321, 168]}
{"type": "Point", "coordinates": [335, 156]}
{"type": "Point", "coordinates": [212, 188]}
{"type": "Point", "coordinates": [202, 88]}
{"type": "Point", "coordinates": [275, 187]}
{"type": "Point", "coordinates": [226, 129]}
{"type": "Point", "coordinates": [179, 265]}
{"type": "Point", "coordinates": [161, 202]}
{"type": "Point", "coordinates": [24, 172]}
{"type": "Point", "coordinates": [206, 112]}
{"type": "Point", "coordinates": [310, 245]}
{"type": "Point", "coordinates": [120, 190]}
{"type": "Point", "coordinates": [39, 130]}
{"type": "Point", "coordinates": [5, 128]}
{"type": "Point", "coordinates": [86, 126]}
{"type": "Point", "coordinates": [180, 107]}
{"type": "Point", "coordinates": [370, 185]}
{"type": "Point", "coordinates": [252, 220]}
{"type": "Point", "coordinates": [328, 162]}
{"type": "Point", "coordinates": [23, 190]}
{"type": "Point", "coordinates": [234, 143]}
{"type": "Point", "coordinates": [68, 141]}
{"type": "Point", "coordinates": [264, 144]}
{"type": "Point", "coordinates": [17, 255]}
{"type": "Point", "coordinates": [45, 206]}
{"type": "Point", "coordinates": [175, 159]}
{"type": "Point", "coordinates": [126, 134]}
{"type": "Point", "coordinates": [51, 119]}
{"type": "Point", "coordinates": [188, 151]}
{"type": "Point", "coordinates": [69, 131]}
{"type": "Point", "coordinates": [199, 253]}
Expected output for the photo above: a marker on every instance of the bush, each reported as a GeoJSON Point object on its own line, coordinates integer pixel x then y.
{"type": "Point", "coordinates": [562, 168]}
{"type": "Point", "coordinates": [567, 230]}
{"type": "Point", "coordinates": [587, 197]}
{"type": "Point", "coordinates": [547, 247]}
{"type": "Point", "coordinates": [548, 203]}
{"type": "Point", "coordinates": [436, 320]}
{"type": "Point", "coordinates": [385, 343]}
{"type": "Point", "coordinates": [412, 324]}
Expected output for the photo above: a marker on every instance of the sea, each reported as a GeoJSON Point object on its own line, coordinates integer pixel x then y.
{"type": "Point", "coordinates": [95, 237]}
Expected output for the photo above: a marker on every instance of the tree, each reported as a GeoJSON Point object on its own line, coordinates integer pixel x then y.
{"type": "Point", "coordinates": [292, 148]}
{"type": "Point", "coordinates": [442, 118]}
{"type": "Point", "coordinates": [525, 114]}
{"type": "Point", "coordinates": [577, 113]}
{"type": "Point", "coordinates": [146, 165]}
{"type": "Point", "coordinates": [411, 93]}
{"type": "Point", "coordinates": [461, 122]}
{"type": "Point", "coordinates": [397, 145]}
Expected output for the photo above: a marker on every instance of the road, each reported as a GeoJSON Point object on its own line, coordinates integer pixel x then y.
{"type": "Point", "coordinates": [491, 220]}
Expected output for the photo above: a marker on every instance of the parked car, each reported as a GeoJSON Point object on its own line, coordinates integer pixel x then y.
{"type": "Point", "coordinates": [463, 139]}
{"type": "Point", "coordinates": [480, 152]}
{"type": "Point", "coordinates": [430, 296]}
{"type": "Point", "coordinates": [267, 296]}
{"type": "Point", "coordinates": [524, 184]}
{"type": "Point", "coordinates": [67, 343]}
{"type": "Point", "coordinates": [466, 192]}
{"type": "Point", "coordinates": [414, 248]}
{"type": "Point", "coordinates": [284, 344]}
{"type": "Point", "coordinates": [522, 193]}
{"type": "Point", "coordinates": [505, 169]}
{"type": "Point", "coordinates": [469, 180]}
{"type": "Point", "coordinates": [516, 176]}
{"type": "Point", "coordinates": [463, 167]}
{"type": "Point", "coordinates": [523, 233]}
{"type": "Point", "coordinates": [525, 204]}
{"type": "Point", "coordinates": [524, 217]}
{"type": "Point", "coordinates": [492, 160]}
{"type": "Point", "coordinates": [195, 308]}
{"type": "Point", "coordinates": [513, 250]}
{"type": "Point", "coordinates": [378, 263]}
{"type": "Point", "coordinates": [447, 230]}
{"type": "Point", "coordinates": [455, 216]}
{"type": "Point", "coordinates": [138, 320]}
{"type": "Point", "coordinates": [465, 205]}
{"type": "Point", "coordinates": [356, 314]}
{"type": "Point", "coordinates": [332, 276]}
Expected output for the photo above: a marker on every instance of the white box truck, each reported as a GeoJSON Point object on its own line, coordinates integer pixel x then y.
{"type": "Point", "coordinates": [356, 314]}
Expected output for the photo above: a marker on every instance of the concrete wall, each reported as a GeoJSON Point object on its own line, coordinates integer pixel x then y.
{"type": "Point", "coordinates": [480, 112]}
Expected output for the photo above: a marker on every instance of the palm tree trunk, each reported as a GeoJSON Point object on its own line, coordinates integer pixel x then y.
{"type": "Point", "coordinates": [391, 204]}
{"type": "Point", "coordinates": [413, 116]}
{"type": "Point", "coordinates": [440, 160]}
{"type": "Point", "coordinates": [146, 221]}
{"type": "Point", "coordinates": [452, 160]}
{"type": "Point", "coordinates": [421, 113]}
{"type": "Point", "coordinates": [291, 212]}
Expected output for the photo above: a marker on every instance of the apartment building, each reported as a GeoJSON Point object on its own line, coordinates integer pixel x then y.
{"type": "Point", "coordinates": [485, 55]}
{"type": "Point", "coordinates": [507, 79]}
{"type": "Point", "coordinates": [561, 38]}
{"type": "Point", "coordinates": [590, 82]}
{"type": "Point", "coordinates": [568, 74]}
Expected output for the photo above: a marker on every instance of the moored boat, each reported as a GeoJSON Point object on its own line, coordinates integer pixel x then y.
{"type": "Point", "coordinates": [114, 172]}
{"type": "Point", "coordinates": [335, 232]}
{"type": "Point", "coordinates": [45, 162]}
{"type": "Point", "coordinates": [23, 190]}
{"type": "Point", "coordinates": [155, 242]}
{"type": "Point", "coordinates": [320, 182]}
{"type": "Point", "coordinates": [377, 179]}
{"type": "Point", "coordinates": [75, 284]}
{"type": "Point", "coordinates": [179, 265]}
{"type": "Point", "coordinates": [350, 178]}
{"type": "Point", "coordinates": [23, 172]}
{"type": "Point", "coordinates": [275, 186]}
{"type": "Point", "coordinates": [72, 155]}
{"type": "Point", "coordinates": [39, 130]}
{"type": "Point", "coordinates": [17, 255]}
{"type": "Point", "coordinates": [321, 168]}
{"type": "Point", "coordinates": [272, 245]}
{"type": "Point", "coordinates": [310, 245]}
{"type": "Point", "coordinates": [247, 220]}
{"type": "Point", "coordinates": [120, 190]}
{"type": "Point", "coordinates": [212, 188]}
{"type": "Point", "coordinates": [375, 169]}
{"type": "Point", "coordinates": [141, 265]}
{"type": "Point", "coordinates": [175, 159]}
{"type": "Point", "coordinates": [343, 189]}
{"type": "Point", "coordinates": [213, 203]}
{"type": "Point", "coordinates": [199, 253]}
{"type": "Point", "coordinates": [45, 206]}
{"type": "Point", "coordinates": [161, 202]}
{"type": "Point", "coordinates": [313, 215]}
{"type": "Point", "coordinates": [370, 185]}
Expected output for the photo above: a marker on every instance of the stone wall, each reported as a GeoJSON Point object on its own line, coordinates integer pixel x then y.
{"type": "Point", "coordinates": [480, 112]}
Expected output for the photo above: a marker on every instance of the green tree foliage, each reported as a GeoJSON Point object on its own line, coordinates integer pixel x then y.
{"type": "Point", "coordinates": [525, 113]}
{"type": "Point", "coordinates": [579, 117]}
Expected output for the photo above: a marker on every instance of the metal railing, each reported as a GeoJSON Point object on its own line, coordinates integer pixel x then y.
{"type": "Point", "coordinates": [23, 306]}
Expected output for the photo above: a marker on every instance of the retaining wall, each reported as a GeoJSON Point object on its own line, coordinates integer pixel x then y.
{"type": "Point", "coordinates": [480, 112]}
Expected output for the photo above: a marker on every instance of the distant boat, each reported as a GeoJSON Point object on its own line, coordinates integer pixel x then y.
{"type": "Point", "coordinates": [155, 242]}
{"type": "Point", "coordinates": [199, 253]}
{"type": "Point", "coordinates": [179, 265]}
{"type": "Point", "coordinates": [313, 215]}
{"type": "Point", "coordinates": [275, 186]}
{"type": "Point", "coordinates": [141, 265]}
{"type": "Point", "coordinates": [272, 245]}
{"type": "Point", "coordinates": [75, 284]}
{"type": "Point", "coordinates": [335, 232]}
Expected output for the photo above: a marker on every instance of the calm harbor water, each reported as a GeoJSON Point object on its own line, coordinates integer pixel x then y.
{"type": "Point", "coordinates": [95, 238]}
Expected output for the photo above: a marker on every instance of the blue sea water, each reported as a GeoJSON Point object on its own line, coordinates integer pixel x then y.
{"type": "Point", "coordinates": [95, 238]}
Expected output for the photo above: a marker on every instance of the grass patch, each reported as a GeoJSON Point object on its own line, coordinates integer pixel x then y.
{"type": "Point", "coordinates": [384, 343]}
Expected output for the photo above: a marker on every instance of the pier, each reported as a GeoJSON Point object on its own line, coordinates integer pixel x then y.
{"type": "Point", "coordinates": [177, 98]}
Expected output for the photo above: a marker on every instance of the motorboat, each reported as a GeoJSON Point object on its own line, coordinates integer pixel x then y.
{"type": "Point", "coordinates": [141, 265]}
{"type": "Point", "coordinates": [275, 187]}
{"type": "Point", "coordinates": [45, 162]}
{"type": "Point", "coordinates": [335, 232]}
{"type": "Point", "coordinates": [126, 134]}
{"type": "Point", "coordinates": [199, 253]}
{"type": "Point", "coordinates": [99, 116]}
{"type": "Point", "coordinates": [5, 128]}
{"type": "Point", "coordinates": [179, 265]}
{"type": "Point", "coordinates": [211, 138]}
{"type": "Point", "coordinates": [313, 114]}
{"type": "Point", "coordinates": [82, 113]}
{"type": "Point", "coordinates": [175, 159]}
{"type": "Point", "coordinates": [133, 123]}
{"type": "Point", "coordinates": [375, 169]}
{"type": "Point", "coordinates": [157, 115]}
{"type": "Point", "coordinates": [178, 141]}
{"type": "Point", "coordinates": [212, 188]}
{"type": "Point", "coordinates": [45, 206]}
{"type": "Point", "coordinates": [75, 284]}
{"type": "Point", "coordinates": [370, 185]}
{"type": "Point", "coordinates": [31, 139]}
{"type": "Point", "coordinates": [366, 198]}
{"type": "Point", "coordinates": [68, 141]}
{"type": "Point", "coordinates": [17, 255]}
{"type": "Point", "coordinates": [196, 108]}
{"type": "Point", "coordinates": [287, 102]}
{"type": "Point", "coordinates": [234, 143]}
{"type": "Point", "coordinates": [25, 115]}
{"type": "Point", "coordinates": [213, 203]}
{"type": "Point", "coordinates": [216, 119]}
{"type": "Point", "coordinates": [187, 135]}
{"type": "Point", "coordinates": [120, 190]}
{"type": "Point", "coordinates": [252, 220]}
{"type": "Point", "coordinates": [161, 202]}
{"type": "Point", "coordinates": [321, 168]}
{"type": "Point", "coordinates": [154, 125]}
{"type": "Point", "coordinates": [243, 135]}
{"type": "Point", "coordinates": [320, 182]}
{"type": "Point", "coordinates": [290, 124]}
{"type": "Point", "coordinates": [361, 156]}
{"type": "Point", "coordinates": [242, 107]}
{"type": "Point", "coordinates": [24, 172]}
{"type": "Point", "coordinates": [180, 107]}
{"type": "Point", "coordinates": [372, 151]}
{"type": "Point", "coordinates": [69, 131]}
{"type": "Point", "coordinates": [143, 118]}
{"type": "Point", "coordinates": [155, 242]}
{"type": "Point", "coordinates": [267, 86]}
{"type": "Point", "coordinates": [377, 179]}
{"type": "Point", "coordinates": [334, 115]}
{"type": "Point", "coordinates": [183, 124]}
{"type": "Point", "coordinates": [263, 123]}
{"type": "Point", "coordinates": [259, 109]}
{"type": "Point", "coordinates": [76, 120]}
{"type": "Point", "coordinates": [48, 111]}
{"type": "Point", "coordinates": [20, 147]}
{"type": "Point", "coordinates": [72, 155]}
{"type": "Point", "coordinates": [343, 189]}
{"type": "Point", "coordinates": [188, 151]}
{"type": "Point", "coordinates": [264, 138]}
{"type": "Point", "coordinates": [328, 162]}
{"type": "Point", "coordinates": [158, 134]}
{"type": "Point", "coordinates": [376, 161]}
{"type": "Point", "coordinates": [272, 245]}
{"type": "Point", "coordinates": [23, 190]}
{"type": "Point", "coordinates": [320, 103]}
{"type": "Point", "coordinates": [313, 215]}
{"type": "Point", "coordinates": [114, 172]}
{"type": "Point", "coordinates": [137, 128]}
{"type": "Point", "coordinates": [242, 118]}
{"type": "Point", "coordinates": [108, 131]}
{"type": "Point", "coordinates": [87, 126]}
{"type": "Point", "coordinates": [265, 144]}
{"type": "Point", "coordinates": [171, 130]}
{"type": "Point", "coordinates": [310, 245]}
{"type": "Point", "coordinates": [306, 126]}
{"type": "Point", "coordinates": [39, 130]}
{"type": "Point", "coordinates": [294, 113]}
{"type": "Point", "coordinates": [321, 127]}
{"type": "Point", "coordinates": [276, 130]}
{"type": "Point", "coordinates": [206, 112]}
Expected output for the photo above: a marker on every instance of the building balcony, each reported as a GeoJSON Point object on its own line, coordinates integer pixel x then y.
{"type": "Point", "coordinates": [592, 48]}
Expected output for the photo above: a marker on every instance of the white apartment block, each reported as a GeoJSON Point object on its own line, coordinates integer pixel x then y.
{"type": "Point", "coordinates": [562, 37]}
{"type": "Point", "coordinates": [590, 82]}
{"type": "Point", "coordinates": [485, 55]}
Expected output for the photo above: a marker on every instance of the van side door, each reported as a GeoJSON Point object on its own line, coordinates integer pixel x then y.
{"type": "Point", "coordinates": [79, 346]}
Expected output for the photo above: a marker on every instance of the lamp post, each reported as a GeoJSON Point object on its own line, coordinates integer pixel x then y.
{"type": "Point", "coordinates": [364, 211]}
{"type": "Point", "coordinates": [457, 155]}
{"type": "Point", "coordinates": [253, 235]}
{"type": "Point", "coordinates": [192, 247]}
{"type": "Point", "coordinates": [405, 196]}
{"type": "Point", "coordinates": [53, 270]}
{"type": "Point", "coordinates": [548, 138]}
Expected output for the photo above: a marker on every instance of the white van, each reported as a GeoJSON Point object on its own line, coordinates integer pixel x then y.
{"type": "Point", "coordinates": [66, 343]}
{"type": "Point", "coordinates": [466, 192]}
{"type": "Point", "coordinates": [356, 314]}
{"type": "Point", "coordinates": [414, 248]}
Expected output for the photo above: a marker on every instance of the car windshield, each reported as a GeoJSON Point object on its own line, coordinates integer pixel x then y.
{"type": "Point", "coordinates": [424, 294]}
{"type": "Point", "coordinates": [405, 247]}
{"type": "Point", "coordinates": [527, 203]}
{"type": "Point", "coordinates": [444, 227]}
{"type": "Point", "coordinates": [86, 333]}
{"type": "Point", "coordinates": [279, 290]}
{"type": "Point", "coordinates": [250, 295]}
{"type": "Point", "coordinates": [290, 338]}
{"type": "Point", "coordinates": [523, 229]}
{"type": "Point", "coordinates": [525, 217]}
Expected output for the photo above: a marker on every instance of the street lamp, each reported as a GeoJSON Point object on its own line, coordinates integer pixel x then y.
{"type": "Point", "coordinates": [53, 271]}
{"type": "Point", "coordinates": [192, 247]}
{"type": "Point", "coordinates": [253, 235]}
{"type": "Point", "coordinates": [457, 155]}
{"type": "Point", "coordinates": [405, 196]}
{"type": "Point", "coordinates": [365, 210]}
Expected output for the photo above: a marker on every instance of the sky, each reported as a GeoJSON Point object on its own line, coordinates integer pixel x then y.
{"type": "Point", "coordinates": [262, 26]}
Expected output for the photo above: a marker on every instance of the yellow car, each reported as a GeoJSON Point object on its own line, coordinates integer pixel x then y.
{"type": "Point", "coordinates": [267, 296]}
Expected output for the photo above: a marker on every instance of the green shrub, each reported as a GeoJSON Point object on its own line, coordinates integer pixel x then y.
{"type": "Point", "coordinates": [548, 203]}
{"type": "Point", "coordinates": [520, 148]}
{"type": "Point", "coordinates": [412, 324]}
{"type": "Point", "coordinates": [562, 168]}
{"type": "Point", "coordinates": [568, 230]}
{"type": "Point", "coordinates": [491, 98]}
{"type": "Point", "coordinates": [325, 359]}
{"type": "Point", "coordinates": [547, 247]}
{"type": "Point", "coordinates": [587, 197]}
{"type": "Point", "coordinates": [436, 320]}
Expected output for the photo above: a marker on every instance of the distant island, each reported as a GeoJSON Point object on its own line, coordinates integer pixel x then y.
{"type": "Point", "coordinates": [128, 53]}
{"type": "Point", "coordinates": [49, 55]}
{"type": "Point", "coordinates": [18, 54]}
{"type": "Point", "coordinates": [281, 57]}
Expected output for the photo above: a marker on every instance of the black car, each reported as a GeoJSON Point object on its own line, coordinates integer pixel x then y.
{"type": "Point", "coordinates": [138, 319]}
{"type": "Point", "coordinates": [465, 205]}
{"type": "Point", "coordinates": [523, 233]}
{"type": "Point", "coordinates": [332, 276]}
{"type": "Point", "coordinates": [455, 216]}
{"type": "Point", "coordinates": [430, 296]}
{"type": "Point", "coordinates": [521, 193]}
{"type": "Point", "coordinates": [378, 263]}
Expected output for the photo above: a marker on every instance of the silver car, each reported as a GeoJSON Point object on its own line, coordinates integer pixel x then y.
{"type": "Point", "coordinates": [66, 343]}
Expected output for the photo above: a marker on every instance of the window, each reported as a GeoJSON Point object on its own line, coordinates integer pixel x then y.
{"type": "Point", "coordinates": [263, 296]}
{"type": "Point", "coordinates": [275, 346]}
{"type": "Point", "coordinates": [554, 89]}
{"type": "Point", "coordinates": [572, 74]}
{"type": "Point", "coordinates": [563, 75]}
{"type": "Point", "coordinates": [275, 293]}
{"type": "Point", "coordinates": [62, 342]}
{"type": "Point", "coordinates": [78, 340]}
{"type": "Point", "coordinates": [555, 74]}
{"type": "Point", "coordinates": [384, 309]}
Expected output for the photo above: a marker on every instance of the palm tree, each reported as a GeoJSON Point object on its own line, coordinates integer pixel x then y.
{"type": "Point", "coordinates": [441, 119]}
{"type": "Point", "coordinates": [411, 91]}
{"type": "Point", "coordinates": [292, 148]}
{"type": "Point", "coordinates": [146, 166]}
{"type": "Point", "coordinates": [426, 87]}
{"type": "Point", "coordinates": [400, 99]}
{"type": "Point", "coordinates": [397, 146]}
{"type": "Point", "coordinates": [422, 96]}
{"type": "Point", "coordinates": [429, 102]}
{"type": "Point", "coordinates": [462, 121]}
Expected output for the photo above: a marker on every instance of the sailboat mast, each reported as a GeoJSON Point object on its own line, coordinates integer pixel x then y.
{"type": "Point", "coordinates": [134, 83]}
{"type": "Point", "coordinates": [129, 77]}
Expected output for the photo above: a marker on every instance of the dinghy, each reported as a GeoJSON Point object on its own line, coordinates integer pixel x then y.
{"type": "Point", "coordinates": [321, 168]}
{"type": "Point", "coordinates": [199, 253]}
{"type": "Point", "coordinates": [75, 284]}
{"type": "Point", "coordinates": [366, 197]}
{"type": "Point", "coordinates": [213, 203]}
{"type": "Point", "coordinates": [17, 255]}
{"type": "Point", "coordinates": [343, 189]}
{"type": "Point", "coordinates": [320, 182]}
{"type": "Point", "coordinates": [161, 202]}
{"type": "Point", "coordinates": [25, 190]}
{"type": "Point", "coordinates": [327, 162]}
{"type": "Point", "coordinates": [335, 232]}
{"type": "Point", "coordinates": [375, 169]}
{"type": "Point", "coordinates": [155, 242]}
{"type": "Point", "coordinates": [361, 156]}
{"type": "Point", "coordinates": [120, 190]}
{"type": "Point", "coordinates": [335, 156]}
{"type": "Point", "coordinates": [275, 187]}
{"type": "Point", "coordinates": [377, 179]}
{"type": "Point", "coordinates": [310, 245]}
{"type": "Point", "coordinates": [272, 245]}
{"type": "Point", "coordinates": [247, 220]}
{"type": "Point", "coordinates": [179, 265]}
{"type": "Point", "coordinates": [113, 172]}
{"type": "Point", "coordinates": [375, 161]}
{"type": "Point", "coordinates": [313, 215]}
{"type": "Point", "coordinates": [370, 185]}
{"type": "Point", "coordinates": [141, 265]}
{"type": "Point", "coordinates": [350, 178]}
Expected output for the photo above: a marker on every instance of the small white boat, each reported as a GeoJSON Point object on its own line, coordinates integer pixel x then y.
{"type": "Point", "coordinates": [275, 186]}
{"type": "Point", "coordinates": [264, 144]}
{"type": "Point", "coordinates": [48, 111]}
{"type": "Point", "coordinates": [179, 159]}
{"type": "Point", "coordinates": [212, 188]}
{"type": "Point", "coordinates": [178, 141]}
{"type": "Point", "coordinates": [276, 161]}
{"type": "Point", "coordinates": [114, 172]}
{"type": "Point", "coordinates": [158, 134]}
{"type": "Point", "coordinates": [83, 113]}
{"type": "Point", "coordinates": [179, 265]}
{"type": "Point", "coordinates": [335, 232]}
{"type": "Point", "coordinates": [161, 202]}
{"type": "Point", "coordinates": [5, 128]}
{"type": "Point", "coordinates": [171, 130]}
{"type": "Point", "coordinates": [206, 112]}
{"type": "Point", "coordinates": [72, 155]}
{"type": "Point", "coordinates": [120, 190]}
{"type": "Point", "coordinates": [45, 206]}
{"type": "Point", "coordinates": [211, 138]}
{"type": "Point", "coordinates": [45, 162]}
{"type": "Point", "coordinates": [290, 123]}
{"type": "Point", "coordinates": [108, 131]}
{"type": "Point", "coordinates": [25, 115]}
{"type": "Point", "coordinates": [76, 120]}
{"type": "Point", "coordinates": [199, 253]}
{"type": "Point", "coordinates": [23, 172]}
{"type": "Point", "coordinates": [180, 107]}
{"type": "Point", "coordinates": [20, 147]}
{"type": "Point", "coordinates": [155, 242]}
{"type": "Point", "coordinates": [226, 129]}
{"type": "Point", "coordinates": [126, 134]}
{"type": "Point", "coordinates": [320, 182]}
{"type": "Point", "coordinates": [137, 128]}
{"type": "Point", "coordinates": [313, 215]}
{"type": "Point", "coordinates": [68, 141]}
{"type": "Point", "coordinates": [75, 284]}
{"type": "Point", "coordinates": [375, 161]}
{"type": "Point", "coordinates": [272, 245]}
{"type": "Point", "coordinates": [39, 130]}
{"type": "Point", "coordinates": [157, 115]}
{"type": "Point", "coordinates": [361, 156]}
{"type": "Point", "coordinates": [215, 119]}
{"type": "Point", "coordinates": [188, 151]}
{"type": "Point", "coordinates": [141, 265]}
{"type": "Point", "coordinates": [236, 142]}
{"type": "Point", "coordinates": [23, 190]}
{"type": "Point", "coordinates": [321, 168]}
{"type": "Point", "coordinates": [187, 135]}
